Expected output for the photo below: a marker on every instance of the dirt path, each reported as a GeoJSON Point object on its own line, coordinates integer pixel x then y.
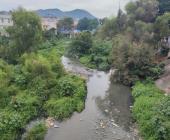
{"type": "Point", "coordinates": [164, 82]}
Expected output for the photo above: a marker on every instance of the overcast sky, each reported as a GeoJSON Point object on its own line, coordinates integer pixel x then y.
{"type": "Point", "coordinates": [99, 8]}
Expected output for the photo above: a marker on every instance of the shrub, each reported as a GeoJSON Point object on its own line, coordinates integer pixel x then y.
{"type": "Point", "coordinates": [151, 110]}
{"type": "Point", "coordinates": [134, 62]}
{"type": "Point", "coordinates": [37, 86]}
{"type": "Point", "coordinates": [11, 123]}
{"type": "Point", "coordinates": [61, 108]}
{"type": "Point", "coordinates": [37, 132]}
{"type": "Point", "coordinates": [80, 45]}
{"type": "Point", "coordinates": [66, 86]}
{"type": "Point", "coordinates": [148, 90]}
{"type": "Point", "coordinates": [26, 104]}
{"type": "Point", "coordinates": [161, 119]}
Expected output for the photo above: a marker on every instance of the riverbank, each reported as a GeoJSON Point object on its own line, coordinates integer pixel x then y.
{"type": "Point", "coordinates": [107, 110]}
{"type": "Point", "coordinates": [151, 111]}
{"type": "Point", "coordinates": [163, 82]}
{"type": "Point", "coordinates": [37, 87]}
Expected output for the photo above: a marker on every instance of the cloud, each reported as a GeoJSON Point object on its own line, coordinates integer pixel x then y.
{"type": "Point", "coordinates": [99, 8]}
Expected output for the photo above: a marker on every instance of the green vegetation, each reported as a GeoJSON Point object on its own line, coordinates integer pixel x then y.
{"type": "Point", "coordinates": [151, 110]}
{"type": "Point", "coordinates": [164, 6]}
{"type": "Point", "coordinates": [37, 132]}
{"type": "Point", "coordinates": [98, 58]}
{"type": "Point", "coordinates": [161, 26]}
{"type": "Point", "coordinates": [81, 45]}
{"type": "Point", "coordinates": [86, 24]}
{"type": "Point", "coordinates": [65, 24]}
{"type": "Point", "coordinates": [133, 63]}
{"type": "Point", "coordinates": [34, 84]}
{"type": "Point", "coordinates": [93, 54]}
{"type": "Point", "coordinates": [136, 37]}
{"type": "Point", "coordinates": [26, 33]}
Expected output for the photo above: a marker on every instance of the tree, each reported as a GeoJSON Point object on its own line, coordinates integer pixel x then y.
{"type": "Point", "coordinates": [112, 27]}
{"type": "Point", "coordinates": [65, 24]}
{"type": "Point", "coordinates": [109, 29]}
{"type": "Point", "coordinates": [162, 26]}
{"type": "Point", "coordinates": [131, 8]}
{"type": "Point", "coordinates": [81, 44]}
{"type": "Point", "coordinates": [145, 10]}
{"type": "Point", "coordinates": [121, 20]}
{"type": "Point", "coordinates": [26, 33]}
{"type": "Point", "coordinates": [87, 24]}
{"type": "Point", "coordinates": [141, 31]}
{"type": "Point", "coordinates": [50, 34]}
{"type": "Point", "coordinates": [83, 24]}
{"type": "Point", "coordinates": [133, 62]}
{"type": "Point", "coordinates": [164, 6]}
{"type": "Point", "coordinates": [93, 24]}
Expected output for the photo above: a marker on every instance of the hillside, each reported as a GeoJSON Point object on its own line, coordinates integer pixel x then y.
{"type": "Point", "coordinates": [75, 14]}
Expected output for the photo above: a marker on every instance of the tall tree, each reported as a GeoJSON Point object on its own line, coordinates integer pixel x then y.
{"type": "Point", "coordinates": [87, 24]}
{"type": "Point", "coordinates": [133, 62]}
{"type": "Point", "coordinates": [162, 26]}
{"type": "Point", "coordinates": [65, 24]}
{"type": "Point", "coordinates": [145, 10]}
{"type": "Point", "coordinates": [164, 6]}
{"type": "Point", "coordinates": [26, 33]}
{"type": "Point", "coordinates": [81, 45]}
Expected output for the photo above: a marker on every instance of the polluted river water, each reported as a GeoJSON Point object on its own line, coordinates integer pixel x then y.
{"type": "Point", "coordinates": [106, 115]}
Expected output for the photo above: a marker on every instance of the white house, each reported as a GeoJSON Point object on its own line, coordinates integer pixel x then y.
{"type": "Point", "coordinates": [5, 21]}
{"type": "Point", "coordinates": [49, 23]}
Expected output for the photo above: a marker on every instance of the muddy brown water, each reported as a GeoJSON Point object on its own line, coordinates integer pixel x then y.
{"type": "Point", "coordinates": [107, 110]}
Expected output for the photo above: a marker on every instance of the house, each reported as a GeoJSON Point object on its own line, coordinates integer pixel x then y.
{"type": "Point", "coordinates": [49, 23]}
{"type": "Point", "coordinates": [5, 21]}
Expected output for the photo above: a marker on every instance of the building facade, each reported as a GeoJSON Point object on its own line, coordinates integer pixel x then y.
{"type": "Point", "coordinates": [49, 23]}
{"type": "Point", "coordinates": [5, 21]}
{"type": "Point", "coordinates": [46, 22]}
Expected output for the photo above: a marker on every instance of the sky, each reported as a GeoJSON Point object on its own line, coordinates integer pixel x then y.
{"type": "Point", "coordinates": [99, 8]}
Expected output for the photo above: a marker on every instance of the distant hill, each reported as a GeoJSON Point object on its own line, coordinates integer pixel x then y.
{"type": "Point", "coordinates": [75, 14]}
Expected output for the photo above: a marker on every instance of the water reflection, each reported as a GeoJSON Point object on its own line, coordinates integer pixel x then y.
{"type": "Point", "coordinates": [116, 105]}
{"type": "Point", "coordinates": [106, 115]}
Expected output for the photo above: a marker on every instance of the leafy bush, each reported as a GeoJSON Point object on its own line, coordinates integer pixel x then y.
{"type": "Point", "coordinates": [26, 104]}
{"type": "Point", "coordinates": [28, 87]}
{"type": "Point", "coordinates": [98, 58]}
{"type": "Point", "coordinates": [80, 45]}
{"type": "Point", "coordinates": [37, 132]}
{"type": "Point", "coordinates": [161, 119]}
{"type": "Point", "coordinates": [72, 92]}
{"type": "Point", "coordinates": [61, 108]}
{"type": "Point", "coordinates": [133, 62]}
{"type": "Point", "coordinates": [148, 90]}
{"type": "Point", "coordinates": [66, 86]}
{"type": "Point", "coordinates": [151, 110]}
{"type": "Point", "coordinates": [11, 123]}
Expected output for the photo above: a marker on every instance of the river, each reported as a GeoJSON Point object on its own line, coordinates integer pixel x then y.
{"type": "Point", "coordinates": [106, 115]}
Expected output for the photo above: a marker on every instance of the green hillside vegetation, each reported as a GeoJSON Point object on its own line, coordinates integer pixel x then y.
{"type": "Point", "coordinates": [136, 41]}
{"type": "Point", "coordinates": [37, 132]}
{"type": "Point", "coordinates": [132, 44]}
{"type": "Point", "coordinates": [152, 111]}
{"type": "Point", "coordinates": [34, 84]}
{"type": "Point", "coordinates": [93, 53]}
{"type": "Point", "coordinates": [33, 80]}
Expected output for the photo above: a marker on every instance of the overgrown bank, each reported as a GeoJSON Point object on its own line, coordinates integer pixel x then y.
{"type": "Point", "coordinates": [93, 53]}
{"type": "Point", "coordinates": [152, 111]}
{"type": "Point", "coordinates": [37, 86]}
{"type": "Point", "coordinates": [139, 40]}
{"type": "Point", "coordinates": [33, 82]}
